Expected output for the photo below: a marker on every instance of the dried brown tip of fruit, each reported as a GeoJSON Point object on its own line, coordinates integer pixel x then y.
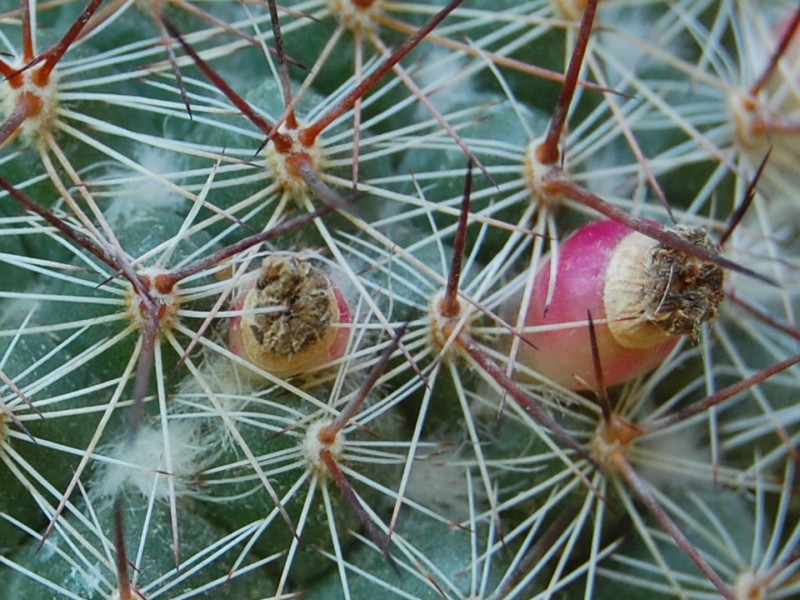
{"type": "Point", "coordinates": [653, 292]}
{"type": "Point", "coordinates": [290, 318]}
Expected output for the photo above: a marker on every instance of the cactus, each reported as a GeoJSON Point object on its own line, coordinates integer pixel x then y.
{"type": "Point", "coordinates": [272, 276]}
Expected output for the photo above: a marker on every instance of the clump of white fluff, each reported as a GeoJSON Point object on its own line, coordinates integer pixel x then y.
{"type": "Point", "coordinates": [140, 464]}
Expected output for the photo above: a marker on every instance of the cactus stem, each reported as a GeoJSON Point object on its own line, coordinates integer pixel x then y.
{"type": "Point", "coordinates": [154, 152]}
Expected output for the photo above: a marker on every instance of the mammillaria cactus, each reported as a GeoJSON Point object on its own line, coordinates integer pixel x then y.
{"type": "Point", "coordinates": [289, 305]}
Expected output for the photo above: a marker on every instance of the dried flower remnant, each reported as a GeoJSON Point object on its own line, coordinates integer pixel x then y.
{"type": "Point", "coordinates": [292, 317]}
{"type": "Point", "coordinates": [679, 294]}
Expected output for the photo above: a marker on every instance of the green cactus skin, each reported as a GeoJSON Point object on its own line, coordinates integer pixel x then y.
{"type": "Point", "coordinates": [426, 461]}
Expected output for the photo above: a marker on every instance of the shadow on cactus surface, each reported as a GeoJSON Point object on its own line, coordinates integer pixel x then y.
{"type": "Point", "coordinates": [320, 298]}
